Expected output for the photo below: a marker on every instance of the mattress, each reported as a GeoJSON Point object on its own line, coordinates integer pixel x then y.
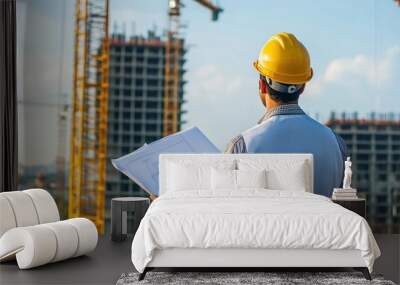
{"type": "Point", "coordinates": [250, 219]}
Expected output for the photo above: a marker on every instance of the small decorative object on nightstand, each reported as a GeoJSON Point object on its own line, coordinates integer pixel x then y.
{"type": "Point", "coordinates": [345, 193]}
{"type": "Point", "coordinates": [356, 205]}
{"type": "Point", "coordinates": [119, 215]}
{"type": "Point", "coordinates": [347, 196]}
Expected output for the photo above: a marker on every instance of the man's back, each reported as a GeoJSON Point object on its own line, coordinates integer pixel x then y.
{"type": "Point", "coordinates": [284, 68]}
{"type": "Point", "coordinates": [291, 132]}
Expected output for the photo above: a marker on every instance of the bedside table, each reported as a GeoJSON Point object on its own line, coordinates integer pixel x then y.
{"type": "Point", "coordinates": [119, 215]}
{"type": "Point", "coordinates": [358, 205]}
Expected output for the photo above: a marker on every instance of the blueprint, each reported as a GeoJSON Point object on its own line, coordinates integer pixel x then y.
{"type": "Point", "coordinates": [141, 166]}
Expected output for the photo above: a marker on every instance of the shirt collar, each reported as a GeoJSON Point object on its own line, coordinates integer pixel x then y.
{"type": "Point", "coordinates": [287, 109]}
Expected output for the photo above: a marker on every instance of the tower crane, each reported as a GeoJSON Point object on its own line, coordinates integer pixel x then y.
{"type": "Point", "coordinates": [87, 172]}
{"type": "Point", "coordinates": [173, 48]}
{"type": "Point", "coordinates": [88, 138]}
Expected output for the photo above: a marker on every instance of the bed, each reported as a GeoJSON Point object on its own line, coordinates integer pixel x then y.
{"type": "Point", "coordinates": [245, 211]}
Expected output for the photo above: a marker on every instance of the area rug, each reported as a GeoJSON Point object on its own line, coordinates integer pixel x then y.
{"type": "Point", "coordinates": [243, 278]}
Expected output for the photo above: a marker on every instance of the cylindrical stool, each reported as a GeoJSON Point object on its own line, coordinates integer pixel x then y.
{"type": "Point", "coordinates": [119, 215]}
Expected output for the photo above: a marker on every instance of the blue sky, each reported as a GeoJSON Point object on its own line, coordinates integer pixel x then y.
{"type": "Point", "coordinates": [354, 47]}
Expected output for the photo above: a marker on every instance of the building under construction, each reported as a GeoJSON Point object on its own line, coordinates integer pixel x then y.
{"type": "Point", "coordinates": [146, 89]}
{"type": "Point", "coordinates": [374, 147]}
{"type": "Point", "coordinates": [136, 113]}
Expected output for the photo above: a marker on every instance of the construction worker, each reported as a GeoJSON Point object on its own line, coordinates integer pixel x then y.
{"type": "Point", "coordinates": [284, 68]}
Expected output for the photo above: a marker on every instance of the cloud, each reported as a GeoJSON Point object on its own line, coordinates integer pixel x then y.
{"type": "Point", "coordinates": [211, 79]}
{"type": "Point", "coordinates": [221, 102]}
{"type": "Point", "coordinates": [359, 69]}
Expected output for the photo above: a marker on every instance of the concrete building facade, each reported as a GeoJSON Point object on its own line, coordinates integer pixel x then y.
{"type": "Point", "coordinates": [137, 72]}
{"type": "Point", "coordinates": [374, 147]}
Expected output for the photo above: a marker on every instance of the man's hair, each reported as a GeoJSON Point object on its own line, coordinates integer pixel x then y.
{"type": "Point", "coordinates": [284, 97]}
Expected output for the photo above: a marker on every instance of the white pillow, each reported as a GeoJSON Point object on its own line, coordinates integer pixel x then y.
{"type": "Point", "coordinates": [251, 178]}
{"type": "Point", "coordinates": [293, 179]}
{"type": "Point", "coordinates": [237, 179]}
{"type": "Point", "coordinates": [223, 179]}
{"type": "Point", "coordinates": [281, 175]}
{"type": "Point", "coordinates": [187, 177]}
{"type": "Point", "coordinates": [190, 176]}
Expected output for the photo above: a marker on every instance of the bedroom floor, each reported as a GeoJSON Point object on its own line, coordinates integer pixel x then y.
{"type": "Point", "coordinates": [110, 260]}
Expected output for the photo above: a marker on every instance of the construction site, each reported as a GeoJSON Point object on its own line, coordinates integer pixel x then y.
{"type": "Point", "coordinates": [129, 90]}
{"type": "Point", "coordinates": [126, 92]}
{"type": "Point", "coordinates": [374, 145]}
{"type": "Point", "coordinates": [199, 142]}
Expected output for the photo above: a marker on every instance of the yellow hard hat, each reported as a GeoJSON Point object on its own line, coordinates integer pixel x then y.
{"type": "Point", "coordinates": [284, 59]}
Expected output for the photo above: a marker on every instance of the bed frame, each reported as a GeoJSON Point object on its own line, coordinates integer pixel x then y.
{"type": "Point", "coordinates": [242, 259]}
{"type": "Point", "coordinates": [259, 259]}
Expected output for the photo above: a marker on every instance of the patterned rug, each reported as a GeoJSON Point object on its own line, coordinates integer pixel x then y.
{"type": "Point", "coordinates": [243, 278]}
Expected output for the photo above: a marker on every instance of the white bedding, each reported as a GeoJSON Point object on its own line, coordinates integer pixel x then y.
{"type": "Point", "coordinates": [252, 218]}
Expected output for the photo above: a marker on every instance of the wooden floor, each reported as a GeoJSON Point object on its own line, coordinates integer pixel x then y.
{"type": "Point", "coordinates": [110, 260]}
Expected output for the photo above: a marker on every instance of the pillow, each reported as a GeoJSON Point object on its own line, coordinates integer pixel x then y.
{"type": "Point", "coordinates": [193, 176]}
{"type": "Point", "coordinates": [223, 179]}
{"type": "Point", "coordinates": [237, 179]}
{"type": "Point", "coordinates": [280, 174]}
{"type": "Point", "coordinates": [293, 179]}
{"type": "Point", "coordinates": [251, 178]}
{"type": "Point", "coordinates": [187, 177]}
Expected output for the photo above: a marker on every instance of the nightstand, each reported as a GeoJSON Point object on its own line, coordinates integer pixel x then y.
{"type": "Point", "coordinates": [120, 207]}
{"type": "Point", "coordinates": [358, 205]}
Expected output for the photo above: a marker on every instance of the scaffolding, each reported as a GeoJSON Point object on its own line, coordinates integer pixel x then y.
{"type": "Point", "coordinates": [87, 173]}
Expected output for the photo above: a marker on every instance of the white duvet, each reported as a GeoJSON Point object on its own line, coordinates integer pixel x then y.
{"type": "Point", "coordinates": [250, 219]}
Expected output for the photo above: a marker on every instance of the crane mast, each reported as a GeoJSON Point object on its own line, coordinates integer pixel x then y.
{"type": "Point", "coordinates": [87, 173]}
{"type": "Point", "coordinates": [173, 49]}
{"type": "Point", "coordinates": [173, 46]}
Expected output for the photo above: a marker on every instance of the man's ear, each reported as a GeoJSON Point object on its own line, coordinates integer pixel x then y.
{"type": "Point", "coordinates": [262, 90]}
{"type": "Point", "coordinates": [262, 86]}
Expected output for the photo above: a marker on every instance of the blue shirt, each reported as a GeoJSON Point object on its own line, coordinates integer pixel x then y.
{"type": "Point", "coordinates": [287, 129]}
